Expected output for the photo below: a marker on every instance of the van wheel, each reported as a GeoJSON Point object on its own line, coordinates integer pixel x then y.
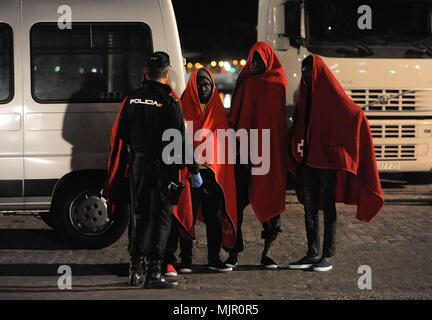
{"type": "Point", "coordinates": [82, 217]}
{"type": "Point", "coordinates": [47, 217]}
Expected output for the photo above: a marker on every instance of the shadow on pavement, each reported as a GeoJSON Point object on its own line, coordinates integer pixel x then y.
{"type": "Point", "coordinates": [409, 202]}
{"type": "Point", "coordinates": [203, 269]}
{"type": "Point", "coordinates": [30, 269]}
{"type": "Point", "coordinates": [393, 184]}
{"type": "Point", "coordinates": [406, 178]}
{"type": "Point", "coordinates": [32, 239]}
{"type": "Point", "coordinates": [118, 286]}
{"type": "Point", "coordinates": [251, 267]}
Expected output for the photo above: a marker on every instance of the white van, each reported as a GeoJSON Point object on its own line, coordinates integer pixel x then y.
{"type": "Point", "coordinates": [60, 90]}
{"type": "Point", "coordinates": [380, 51]}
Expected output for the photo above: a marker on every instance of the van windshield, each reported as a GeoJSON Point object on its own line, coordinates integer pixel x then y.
{"type": "Point", "coordinates": [383, 29]}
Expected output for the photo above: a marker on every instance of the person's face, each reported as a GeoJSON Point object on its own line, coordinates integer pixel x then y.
{"type": "Point", "coordinates": [204, 87]}
{"type": "Point", "coordinates": [257, 65]}
{"type": "Point", "coordinates": [307, 75]}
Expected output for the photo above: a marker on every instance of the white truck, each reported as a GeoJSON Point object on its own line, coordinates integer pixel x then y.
{"type": "Point", "coordinates": [380, 51]}
{"type": "Point", "coordinates": [64, 70]}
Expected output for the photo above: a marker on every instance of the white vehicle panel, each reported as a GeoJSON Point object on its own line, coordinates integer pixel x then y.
{"type": "Point", "coordinates": [11, 120]}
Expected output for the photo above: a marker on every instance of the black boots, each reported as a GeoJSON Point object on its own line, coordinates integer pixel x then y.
{"type": "Point", "coordinates": [154, 278]}
{"type": "Point", "coordinates": [137, 271]}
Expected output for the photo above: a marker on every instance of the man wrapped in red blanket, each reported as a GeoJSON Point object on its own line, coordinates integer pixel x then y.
{"type": "Point", "coordinates": [259, 106]}
{"type": "Point", "coordinates": [215, 201]}
{"type": "Point", "coordinates": [333, 158]}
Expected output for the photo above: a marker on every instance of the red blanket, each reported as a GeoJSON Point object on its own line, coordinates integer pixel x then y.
{"type": "Point", "coordinates": [259, 103]}
{"type": "Point", "coordinates": [116, 188]}
{"type": "Point", "coordinates": [212, 119]}
{"type": "Point", "coordinates": [338, 137]}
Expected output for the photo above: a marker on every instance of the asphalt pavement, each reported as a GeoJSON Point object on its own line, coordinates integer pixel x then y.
{"type": "Point", "coordinates": [389, 258]}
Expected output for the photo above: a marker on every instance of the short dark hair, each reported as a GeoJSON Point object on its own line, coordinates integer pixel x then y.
{"type": "Point", "coordinates": [155, 72]}
{"type": "Point", "coordinates": [157, 63]}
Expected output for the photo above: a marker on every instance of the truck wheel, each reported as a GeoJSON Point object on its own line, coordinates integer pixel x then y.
{"type": "Point", "coordinates": [419, 178]}
{"type": "Point", "coordinates": [81, 215]}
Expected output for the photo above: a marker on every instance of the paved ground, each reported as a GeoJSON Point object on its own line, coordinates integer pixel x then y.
{"type": "Point", "coordinates": [396, 245]}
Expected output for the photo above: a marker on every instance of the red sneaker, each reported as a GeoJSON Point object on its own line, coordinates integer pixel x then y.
{"type": "Point", "coordinates": [170, 271]}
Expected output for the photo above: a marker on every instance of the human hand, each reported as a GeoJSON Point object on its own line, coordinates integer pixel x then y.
{"type": "Point", "coordinates": [196, 180]}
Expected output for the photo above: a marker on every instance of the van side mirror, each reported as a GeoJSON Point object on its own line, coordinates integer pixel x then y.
{"type": "Point", "coordinates": [286, 25]}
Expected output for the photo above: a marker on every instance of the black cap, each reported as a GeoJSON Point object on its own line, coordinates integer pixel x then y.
{"type": "Point", "coordinates": [158, 59]}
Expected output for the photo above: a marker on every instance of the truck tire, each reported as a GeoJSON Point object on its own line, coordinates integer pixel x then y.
{"type": "Point", "coordinates": [419, 178]}
{"type": "Point", "coordinates": [81, 216]}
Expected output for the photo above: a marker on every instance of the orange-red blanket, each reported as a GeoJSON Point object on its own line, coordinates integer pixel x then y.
{"type": "Point", "coordinates": [213, 118]}
{"type": "Point", "coordinates": [338, 137]}
{"type": "Point", "coordinates": [259, 103]}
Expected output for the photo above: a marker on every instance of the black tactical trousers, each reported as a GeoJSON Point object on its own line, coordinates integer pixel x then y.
{"type": "Point", "coordinates": [153, 211]}
{"type": "Point", "coordinates": [318, 187]}
{"type": "Point", "coordinates": [211, 199]}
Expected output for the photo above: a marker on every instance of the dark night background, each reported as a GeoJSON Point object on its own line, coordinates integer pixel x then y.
{"type": "Point", "coordinates": [211, 30]}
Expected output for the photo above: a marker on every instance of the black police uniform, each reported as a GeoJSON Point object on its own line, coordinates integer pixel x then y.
{"type": "Point", "coordinates": [148, 112]}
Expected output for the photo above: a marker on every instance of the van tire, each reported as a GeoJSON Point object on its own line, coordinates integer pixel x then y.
{"type": "Point", "coordinates": [78, 207]}
{"type": "Point", "coordinates": [47, 217]}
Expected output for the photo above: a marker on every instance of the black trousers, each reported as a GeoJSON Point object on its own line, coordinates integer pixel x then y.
{"type": "Point", "coordinates": [211, 199]}
{"type": "Point", "coordinates": [270, 230]}
{"type": "Point", "coordinates": [153, 211]}
{"type": "Point", "coordinates": [318, 186]}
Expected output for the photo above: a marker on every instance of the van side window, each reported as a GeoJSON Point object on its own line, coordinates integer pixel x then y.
{"type": "Point", "coordinates": [6, 65]}
{"type": "Point", "coordinates": [92, 62]}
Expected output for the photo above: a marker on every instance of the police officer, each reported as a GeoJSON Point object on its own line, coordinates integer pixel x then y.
{"type": "Point", "coordinates": [146, 114]}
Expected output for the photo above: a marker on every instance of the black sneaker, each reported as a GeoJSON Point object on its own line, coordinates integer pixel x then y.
{"type": "Point", "coordinates": [219, 266]}
{"type": "Point", "coordinates": [232, 261]}
{"type": "Point", "coordinates": [185, 265]}
{"type": "Point", "coordinates": [323, 265]}
{"type": "Point", "coordinates": [304, 263]}
{"type": "Point", "coordinates": [268, 263]}
{"type": "Point", "coordinates": [160, 282]}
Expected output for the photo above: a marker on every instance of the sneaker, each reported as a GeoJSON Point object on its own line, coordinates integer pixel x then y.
{"type": "Point", "coordinates": [185, 266]}
{"type": "Point", "coordinates": [219, 266]}
{"type": "Point", "coordinates": [304, 263]}
{"type": "Point", "coordinates": [159, 282]}
{"type": "Point", "coordinates": [232, 261]}
{"type": "Point", "coordinates": [170, 271]}
{"type": "Point", "coordinates": [323, 265]}
{"type": "Point", "coordinates": [268, 263]}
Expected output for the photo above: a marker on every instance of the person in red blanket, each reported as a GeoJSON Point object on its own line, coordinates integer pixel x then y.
{"type": "Point", "coordinates": [215, 200]}
{"type": "Point", "coordinates": [332, 156]}
{"type": "Point", "coordinates": [259, 104]}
